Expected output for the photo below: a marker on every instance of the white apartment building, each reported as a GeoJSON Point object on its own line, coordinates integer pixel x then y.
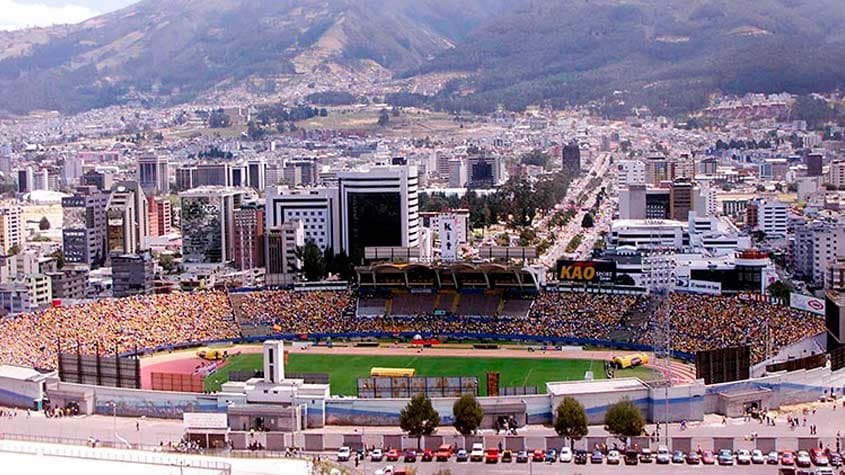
{"type": "Point", "coordinates": [768, 215]}
{"type": "Point", "coordinates": [828, 244]}
{"type": "Point", "coordinates": [837, 174]}
{"type": "Point", "coordinates": [630, 172]}
{"type": "Point", "coordinates": [11, 227]}
{"type": "Point", "coordinates": [318, 209]}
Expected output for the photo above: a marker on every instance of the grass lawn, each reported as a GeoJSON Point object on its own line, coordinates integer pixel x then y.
{"type": "Point", "coordinates": [344, 370]}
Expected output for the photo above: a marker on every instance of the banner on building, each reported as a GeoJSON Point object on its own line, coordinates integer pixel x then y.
{"type": "Point", "coordinates": [449, 237]}
{"type": "Point", "coordinates": [586, 271]}
{"type": "Point", "coordinates": [705, 287]}
{"type": "Point", "coordinates": [806, 303]}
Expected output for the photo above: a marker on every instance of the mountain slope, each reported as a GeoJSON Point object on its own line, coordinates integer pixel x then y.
{"type": "Point", "coordinates": [181, 47]}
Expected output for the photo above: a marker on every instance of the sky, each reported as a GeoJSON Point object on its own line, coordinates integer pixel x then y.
{"type": "Point", "coordinates": [17, 14]}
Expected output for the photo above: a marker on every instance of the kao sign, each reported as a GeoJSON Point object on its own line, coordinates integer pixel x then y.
{"type": "Point", "coordinates": [586, 271]}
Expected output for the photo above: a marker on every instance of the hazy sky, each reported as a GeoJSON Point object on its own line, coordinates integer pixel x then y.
{"type": "Point", "coordinates": [18, 14]}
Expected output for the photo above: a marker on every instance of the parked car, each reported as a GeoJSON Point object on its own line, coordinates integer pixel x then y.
{"type": "Point", "coordinates": [693, 458]}
{"type": "Point", "coordinates": [476, 454]}
{"type": "Point", "coordinates": [343, 454]}
{"type": "Point", "coordinates": [462, 456]}
{"type": "Point", "coordinates": [444, 453]}
{"type": "Point", "coordinates": [376, 455]}
{"type": "Point", "coordinates": [565, 454]}
{"type": "Point", "coordinates": [773, 458]}
{"type": "Point", "coordinates": [819, 457]}
{"type": "Point", "coordinates": [824, 471]}
{"type": "Point", "coordinates": [645, 455]}
{"type": "Point", "coordinates": [787, 458]}
{"type": "Point", "coordinates": [410, 456]}
{"type": "Point", "coordinates": [507, 456]}
{"type": "Point", "coordinates": [631, 457]}
{"type": "Point", "coordinates": [726, 457]}
{"type": "Point", "coordinates": [388, 470]}
{"type": "Point", "coordinates": [835, 459]}
{"type": "Point", "coordinates": [757, 457]}
{"type": "Point", "coordinates": [551, 455]}
{"type": "Point", "coordinates": [427, 455]}
{"type": "Point", "coordinates": [708, 458]}
{"type": "Point", "coordinates": [392, 455]}
{"type": "Point", "coordinates": [743, 457]}
{"type": "Point", "coordinates": [539, 455]}
{"type": "Point", "coordinates": [581, 457]}
{"type": "Point", "coordinates": [491, 456]}
{"type": "Point", "coordinates": [522, 456]}
{"type": "Point", "coordinates": [596, 457]}
{"type": "Point", "coordinates": [663, 455]}
{"type": "Point", "coordinates": [803, 459]}
{"type": "Point", "coordinates": [613, 457]}
{"type": "Point", "coordinates": [678, 457]}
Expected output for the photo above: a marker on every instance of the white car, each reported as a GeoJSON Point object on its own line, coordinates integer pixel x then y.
{"type": "Point", "coordinates": [757, 457]}
{"type": "Point", "coordinates": [803, 459]}
{"type": "Point", "coordinates": [388, 470]}
{"type": "Point", "coordinates": [565, 454]}
{"type": "Point", "coordinates": [343, 454]}
{"type": "Point", "coordinates": [743, 457]}
{"type": "Point", "coordinates": [613, 457]}
{"type": "Point", "coordinates": [477, 452]}
{"type": "Point", "coordinates": [663, 455]}
{"type": "Point", "coordinates": [376, 455]}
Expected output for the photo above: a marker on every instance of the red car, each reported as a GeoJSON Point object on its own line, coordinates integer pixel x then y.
{"type": "Point", "coordinates": [444, 453]}
{"type": "Point", "coordinates": [492, 456]}
{"type": "Point", "coordinates": [393, 455]}
{"type": "Point", "coordinates": [707, 458]}
{"type": "Point", "coordinates": [787, 457]}
{"type": "Point", "coordinates": [427, 455]}
{"type": "Point", "coordinates": [539, 455]}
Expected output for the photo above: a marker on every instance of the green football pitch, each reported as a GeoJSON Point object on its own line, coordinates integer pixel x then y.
{"type": "Point", "coordinates": [344, 370]}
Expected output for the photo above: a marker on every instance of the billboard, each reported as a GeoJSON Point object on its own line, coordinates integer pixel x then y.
{"type": "Point", "coordinates": [449, 236]}
{"type": "Point", "coordinates": [705, 287]}
{"type": "Point", "coordinates": [806, 303]}
{"type": "Point", "coordinates": [586, 271]}
{"type": "Point", "coordinates": [99, 370]}
{"type": "Point", "coordinates": [723, 365]}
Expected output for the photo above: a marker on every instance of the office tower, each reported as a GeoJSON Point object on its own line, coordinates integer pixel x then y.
{"type": "Point", "coordinates": [483, 172]}
{"type": "Point", "coordinates": [165, 216]}
{"type": "Point", "coordinates": [213, 174]}
{"type": "Point", "coordinates": [207, 224]}
{"type": "Point", "coordinates": [11, 227]}
{"type": "Point", "coordinates": [814, 162]}
{"type": "Point", "coordinates": [249, 237]}
{"type": "Point", "coordinates": [186, 178]}
{"type": "Point", "coordinates": [132, 274]}
{"type": "Point", "coordinates": [24, 185]}
{"type": "Point", "coordinates": [630, 172]}
{"type": "Point", "coordinates": [632, 202]}
{"type": "Point", "coordinates": [571, 165]}
{"type": "Point", "coordinates": [767, 215]}
{"type": "Point", "coordinates": [657, 203]}
{"type": "Point", "coordinates": [282, 243]}
{"type": "Point", "coordinates": [378, 207]}
{"type": "Point", "coordinates": [257, 174]}
{"type": "Point", "coordinates": [656, 170]}
{"type": "Point", "coordinates": [837, 174]}
{"type": "Point", "coordinates": [154, 174]}
{"type": "Point", "coordinates": [122, 216]}
{"type": "Point", "coordinates": [681, 199]}
{"type": "Point", "coordinates": [102, 180]}
{"type": "Point", "coordinates": [238, 176]}
{"type": "Point", "coordinates": [84, 230]}
{"type": "Point", "coordinates": [458, 175]}
{"type": "Point", "coordinates": [300, 173]}
{"type": "Point", "coordinates": [319, 211]}
{"type": "Point", "coordinates": [72, 170]}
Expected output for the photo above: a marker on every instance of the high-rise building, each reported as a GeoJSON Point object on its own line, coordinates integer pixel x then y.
{"type": "Point", "coordinates": [656, 170]}
{"type": "Point", "coordinates": [102, 180]}
{"type": "Point", "coordinates": [24, 180]}
{"type": "Point", "coordinates": [814, 162]}
{"type": "Point", "coordinates": [378, 207]}
{"type": "Point", "coordinates": [257, 174]}
{"type": "Point", "coordinates": [571, 164]}
{"type": "Point", "coordinates": [164, 211]}
{"type": "Point", "coordinates": [11, 227]}
{"type": "Point", "coordinates": [122, 216]}
{"type": "Point", "coordinates": [207, 224]}
{"type": "Point", "coordinates": [249, 237]}
{"type": "Point", "coordinates": [186, 178]}
{"type": "Point", "coordinates": [318, 209]}
{"type": "Point", "coordinates": [300, 173]}
{"type": "Point", "coordinates": [132, 274]}
{"type": "Point", "coordinates": [681, 199]}
{"type": "Point", "coordinates": [483, 172]}
{"type": "Point", "coordinates": [658, 203]}
{"type": "Point", "coordinates": [154, 174]}
{"type": "Point", "coordinates": [837, 174]}
{"type": "Point", "coordinates": [630, 172]}
{"type": "Point", "coordinates": [282, 260]}
{"type": "Point", "coordinates": [767, 215]}
{"type": "Point", "coordinates": [72, 170]}
{"type": "Point", "coordinates": [632, 202]}
{"type": "Point", "coordinates": [828, 245]}
{"type": "Point", "coordinates": [84, 229]}
{"type": "Point", "coordinates": [213, 174]}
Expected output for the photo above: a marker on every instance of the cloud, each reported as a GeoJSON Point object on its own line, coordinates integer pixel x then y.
{"type": "Point", "coordinates": [16, 15]}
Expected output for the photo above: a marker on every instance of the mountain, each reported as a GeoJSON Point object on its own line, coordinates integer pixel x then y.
{"type": "Point", "coordinates": [183, 47]}
{"type": "Point", "coordinates": [668, 54]}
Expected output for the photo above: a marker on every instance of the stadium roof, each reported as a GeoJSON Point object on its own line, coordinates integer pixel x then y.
{"type": "Point", "coordinates": [569, 388]}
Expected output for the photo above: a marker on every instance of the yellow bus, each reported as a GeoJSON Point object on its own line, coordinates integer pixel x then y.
{"type": "Point", "coordinates": [393, 372]}
{"type": "Point", "coordinates": [630, 361]}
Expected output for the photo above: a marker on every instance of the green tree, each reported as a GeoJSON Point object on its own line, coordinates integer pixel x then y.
{"type": "Point", "coordinates": [623, 419]}
{"type": "Point", "coordinates": [468, 414]}
{"type": "Point", "coordinates": [219, 120]}
{"type": "Point", "coordinates": [383, 118]}
{"type": "Point", "coordinates": [44, 224]}
{"type": "Point", "coordinates": [571, 420]}
{"type": "Point", "coordinates": [587, 222]}
{"type": "Point", "coordinates": [313, 262]}
{"type": "Point", "coordinates": [419, 418]}
{"type": "Point", "coordinates": [59, 255]}
{"type": "Point", "coordinates": [14, 250]}
{"type": "Point", "coordinates": [254, 131]}
{"type": "Point", "coordinates": [780, 290]}
{"type": "Point", "coordinates": [167, 263]}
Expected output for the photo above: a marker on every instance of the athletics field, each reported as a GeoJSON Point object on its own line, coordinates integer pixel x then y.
{"type": "Point", "coordinates": [344, 370]}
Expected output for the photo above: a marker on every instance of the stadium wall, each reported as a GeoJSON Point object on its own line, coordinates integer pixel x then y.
{"type": "Point", "coordinates": [137, 402]}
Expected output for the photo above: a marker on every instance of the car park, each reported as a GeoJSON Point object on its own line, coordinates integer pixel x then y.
{"type": "Point", "coordinates": [743, 457]}
{"type": "Point", "coordinates": [708, 458]}
{"type": "Point", "coordinates": [392, 455]}
{"type": "Point", "coordinates": [757, 457]}
{"type": "Point", "coordinates": [819, 457]}
{"type": "Point", "coordinates": [539, 455]}
{"type": "Point", "coordinates": [678, 457]}
{"type": "Point", "coordinates": [476, 454]}
{"type": "Point", "coordinates": [565, 454]}
{"type": "Point", "coordinates": [491, 456]}
{"type": "Point", "coordinates": [427, 455]}
{"type": "Point", "coordinates": [376, 455]}
{"type": "Point", "coordinates": [410, 456]}
{"type": "Point", "coordinates": [461, 456]}
{"type": "Point", "coordinates": [581, 457]}
{"type": "Point", "coordinates": [645, 455]}
{"type": "Point", "coordinates": [507, 456]}
{"type": "Point", "coordinates": [726, 457]}
{"type": "Point", "coordinates": [551, 455]}
{"type": "Point", "coordinates": [522, 457]}
{"type": "Point", "coordinates": [824, 471]}
{"type": "Point", "coordinates": [613, 457]}
{"type": "Point", "coordinates": [596, 457]}
{"type": "Point", "coordinates": [803, 459]}
{"type": "Point", "coordinates": [444, 453]}
{"type": "Point", "coordinates": [693, 458]}
{"type": "Point", "coordinates": [835, 459]}
{"type": "Point", "coordinates": [343, 454]}
{"type": "Point", "coordinates": [663, 456]}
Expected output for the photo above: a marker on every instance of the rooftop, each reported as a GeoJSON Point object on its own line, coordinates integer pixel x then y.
{"type": "Point", "coordinates": [569, 388]}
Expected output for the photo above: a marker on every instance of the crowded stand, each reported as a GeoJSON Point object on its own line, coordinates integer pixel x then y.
{"type": "Point", "coordinates": [273, 306]}
{"type": "Point", "coordinates": [124, 324]}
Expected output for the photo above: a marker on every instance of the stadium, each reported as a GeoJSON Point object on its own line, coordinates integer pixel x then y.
{"type": "Point", "coordinates": [490, 330]}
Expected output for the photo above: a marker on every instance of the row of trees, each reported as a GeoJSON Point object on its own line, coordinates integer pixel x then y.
{"type": "Point", "coordinates": [419, 418]}
{"type": "Point", "coordinates": [317, 265]}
